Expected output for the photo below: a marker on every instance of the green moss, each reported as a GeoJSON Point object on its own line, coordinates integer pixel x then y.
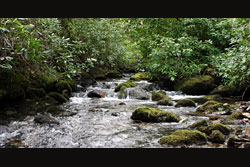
{"type": "Point", "coordinates": [156, 96]}
{"type": "Point", "coordinates": [198, 85]}
{"type": "Point", "coordinates": [185, 137]}
{"type": "Point", "coordinates": [185, 102]}
{"type": "Point", "coordinates": [59, 97]}
{"type": "Point", "coordinates": [237, 115]}
{"type": "Point", "coordinates": [147, 114]}
{"type": "Point", "coordinates": [46, 82]}
{"type": "Point", "coordinates": [34, 93]}
{"type": "Point", "coordinates": [122, 91]}
{"type": "Point", "coordinates": [210, 106]}
{"type": "Point", "coordinates": [113, 74]}
{"type": "Point", "coordinates": [231, 141]}
{"type": "Point", "coordinates": [13, 83]}
{"type": "Point", "coordinates": [218, 126]}
{"type": "Point", "coordinates": [165, 101]}
{"type": "Point", "coordinates": [213, 97]}
{"type": "Point", "coordinates": [127, 84]}
{"type": "Point", "coordinates": [63, 85]}
{"type": "Point", "coordinates": [140, 76]}
{"type": "Point", "coordinates": [224, 90]}
{"type": "Point", "coordinates": [198, 124]}
{"type": "Point", "coordinates": [217, 137]}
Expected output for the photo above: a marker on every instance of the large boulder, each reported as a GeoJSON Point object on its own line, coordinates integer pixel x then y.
{"type": "Point", "coordinates": [184, 137]}
{"type": "Point", "coordinates": [96, 93]}
{"type": "Point", "coordinates": [147, 114]}
{"type": "Point", "coordinates": [199, 85]}
{"type": "Point", "coordinates": [224, 90]}
{"type": "Point", "coordinates": [185, 103]}
{"type": "Point", "coordinates": [156, 96]}
{"type": "Point", "coordinates": [138, 93]}
{"type": "Point", "coordinates": [12, 84]}
{"type": "Point", "coordinates": [113, 74]}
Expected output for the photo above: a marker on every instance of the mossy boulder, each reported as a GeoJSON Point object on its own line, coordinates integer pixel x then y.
{"type": "Point", "coordinates": [217, 137]}
{"type": "Point", "coordinates": [147, 114]}
{"type": "Point", "coordinates": [198, 85]}
{"type": "Point", "coordinates": [13, 84]}
{"type": "Point", "coordinates": [63, 85]}
{"type": "Point", "coordinates": [34, 93]}
{"type": "Point", "coordinates": [98, 73]}
{"type": "Point", "coordinates": [140, 76]}
{"type": "Point", "coordinates": [224, 90]}
{"type": "Point", "coordinates": [224, 129]}
{"type": "Point", "coordinates": [210, 106]}
{"type": "Point", "coordinates": [59, 97]}
{"type": "Point", "coordinates": [184, 137]}
{"type": "Point", "coordinates": [165, 101]}
{"type": "Point", "coordinates": [127, 84]}
{"type": "Point", "coordinates": [236, 115]}
{"type": "Point", "coordinates": [215, 97]}
{"type": "Point", "coordinates": [156, 96]}
{"type": "Point", "coordinates": [185, 103]}
{"type": "Point", "coordinates": [46, 82]}
{"type": "Point", "coordinates": [199, 124]}
{"type": "Point", "coordinates": [113, 74]}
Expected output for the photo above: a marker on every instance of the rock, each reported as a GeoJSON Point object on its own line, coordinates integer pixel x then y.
{"type": "Point", "coordinates": [147, 114]}
{"type": "Point", "coordinates": [46, 82]}
{"type": "Point", "coordinates": [199, 85]}
{"type": "Point", "coordinates": [34, 93]}
{"type": "Point", "coordinates": [140, 76]}
{"type": "Point", "coordinates": [96, 93]}
{"type": "Point", "coordinates": [113, 74]}
{"type": "Point", "coordinates": [237, 115]}
{"type": "Point", "coordinates": [198, 124]}
{"type": "Point", "coordinates": [13, 85]}
{"type": "Point", "coordinates": [122, 103]}
{"type": "Point", "coordinates": [63, 85]}
{"type": "Point", "coordinates": [59, 97]}
{"type": "Point", "coordinates": [99, 73]}
{"type": "Point", "coordinates": [246, 115]}
{"type": "Point", "coordinates": [214, 97]}
{"type": "Point", "coordinates": [115, 114]}
{"type": "Point", "coordinates": [224, 91]}
{"type": "Point", "coordinates": [156, 96]}
{"type": "Point", "coordinates": [184, 137]}
{"type": "Point", "coordinates": [45, 119]}
{"type": "Point", "coordinates": [217, 137]}
{"type": "Point", "coordinates": [138, 93]}
{"type": "Point", "coordinates": [231, 141]}
{"type": "Point", "coordinates": [217, 126]}
{"type": "Point", "coordinates": [185, 102]}
{"type": "Point", "coordinates": [165, 101]}
{"type": "Point", "coordinates": [87, 82]}
{"type": "Point", "coordinates": [212, 106]}
{"type": "Point", "coordinates": [127, 84]}
{"type": "Point", "coordinates": [4, 129]}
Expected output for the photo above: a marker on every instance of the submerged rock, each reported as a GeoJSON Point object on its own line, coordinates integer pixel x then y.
{"type": "Point", "coordinates": [199, 85]}
{"type": "Point", "coordinates": [96, 93]}
{"type": "Point", "coordinates": [185, 102]}
{"type": "Point", "coordinates": [184, 137]}
{"type": "Point", "coordinates": [147, 114]}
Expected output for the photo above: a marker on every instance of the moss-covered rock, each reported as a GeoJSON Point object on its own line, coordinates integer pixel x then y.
{"type": "Point", "coordinates": [236, 115]}
{"type": "Point", "coordinates": [165, 101]}
{"type": "Point", "coordinates": [147, 114]}
{"type": "Point", "coordinates": [214, 97]}
{"type": "Point", "coordinates": [217, 137]}
{"type": "Point", "coordinates": [113, 74]}
{"type": "Point", "coordinates": [34, 93]}
{"type": "Point", "coordinates": [127, 84]}
{"type": "Point", "coordinates": [185, 103]}
{"type": "Point", "coordinates": [231, 141]}
{"type": "Point", "coordinates": [198, 85]}
{"type": "Point", "coordinates": [210, 106]}
{"type": "Point", "coordinates": [224, 90]}
{"type": "Point", "coordinates": [184, 137]}
{"type": "Point", "coordinates": [156, 96]}
{"type": "Point", "coordinates": [199, 124]}
{"type": "Point", "coordinates": [46, 82]}
{"type": "Point", "coordinates": [13, 84]}
{"type": "Point", "coordinates": [98, 73]}
{"type": "Point", "coordinates": [59, 97]}
{"type": "Point", "coordinates": [140, 76]}
{"type": "Point", "coordinates": [63, 85]}
{"type": "Point", "coordinates": [218, 126]}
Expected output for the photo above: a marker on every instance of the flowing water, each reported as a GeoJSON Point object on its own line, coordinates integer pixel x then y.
{"type": "Point", "coordinates": [100, 122]}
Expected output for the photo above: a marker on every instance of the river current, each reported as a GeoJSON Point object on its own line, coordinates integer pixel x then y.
{"type": "Point", "coordinates": [101, 122]}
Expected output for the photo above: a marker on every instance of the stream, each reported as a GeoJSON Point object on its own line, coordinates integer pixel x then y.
{"type": "Point", "coordinates": [100, 122]}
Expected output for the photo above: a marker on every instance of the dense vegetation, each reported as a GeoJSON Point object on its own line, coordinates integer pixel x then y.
{"type": "Point", "coordinates": [167, 48]}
